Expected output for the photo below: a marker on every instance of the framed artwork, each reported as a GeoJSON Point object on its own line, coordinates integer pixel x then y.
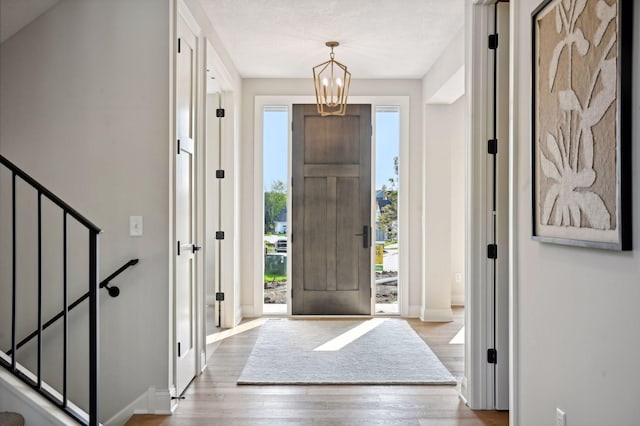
{"type": "Point", "coordinates": [581, 123]}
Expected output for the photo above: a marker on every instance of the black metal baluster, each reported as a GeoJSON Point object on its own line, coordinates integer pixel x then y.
{"type": "Point", "coordinates": [13, 284]}
{"type": "Point", "coordinates": [39, 289]}
{"type": "Point", "coordinates": [93, 328]}
{"type": "Point", "coordinates": [65, 305]}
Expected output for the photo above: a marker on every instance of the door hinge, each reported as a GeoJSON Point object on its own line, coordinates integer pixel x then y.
{"type": "Point", "coordinates": [493, 146]}
{"type": "Point", "coordinates": [178, 349]}
{"type": "Point", "coordinates": [220, 296]}
{"type": "Point", "coordinates": [292, 126]}
{"type": "Point", "coordinates": [178, 146]}
{"type": "Point", "coordinates": [219, 235]}
{"type": "Point", "coordinates": [492, 356]}
{"type": "Point", "coordinates": [492, 251]}
{"type": "Point", "coordinates": [220, 174]}
{"type": "Point", "coordinates": [178, 44]}
{"type": "Point", "coordinates": [220, 112]}
{"type": "Point", "coordinates": [493, 41]}
{"type": "Point", "coordinates": [178, 248]}
{"type": "Point", "coordinates": [291, 238]}
{"type": "Point", "coordinates": [370, 293]}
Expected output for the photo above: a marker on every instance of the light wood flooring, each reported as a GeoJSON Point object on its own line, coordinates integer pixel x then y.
{"type": "Point", "coordinates": [214, 398]}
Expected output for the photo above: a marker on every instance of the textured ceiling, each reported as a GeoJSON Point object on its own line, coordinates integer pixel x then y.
{"type": "Point", "coordinates": [378, 38]}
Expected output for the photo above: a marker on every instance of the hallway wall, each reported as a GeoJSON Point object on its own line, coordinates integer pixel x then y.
{"type": "Point", "coordinates": [445, 165]}
{"type": "Point", "coordinates": [84, 108]}
{"type": "Point", "coordinates": [576, 309]}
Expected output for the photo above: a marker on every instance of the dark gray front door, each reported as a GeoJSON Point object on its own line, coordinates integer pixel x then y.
{"type": "Point", "coordinates": [331, 212]}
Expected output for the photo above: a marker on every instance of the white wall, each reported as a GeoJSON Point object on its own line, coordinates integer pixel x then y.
{"type": "Point", "coordinates": [576, 309]}
{"type": "Point", "coordinates": [445, 167]}
{"type": "Point", "coordinates": [444, 82]}
{"type": "Point", "coordinates": [458, 176]}
{"type": "Point", "coordinates": [304, 87]}
{"type": "Point", "coordinates": [84, 107]}
{"type": "Point", "coordinates": [444, 174]}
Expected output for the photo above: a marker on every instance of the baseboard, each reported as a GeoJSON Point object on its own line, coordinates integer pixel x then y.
{"type": "Point", "coordinates": [246, 311]}
{"type": "Point", "coordinates": [414, 311]}
{"type": "Point", "coordinates": [457, 299]}
{"type": "Point", "coordinates": [17, 396]}
{"type": "Point", "coordinates": [153, 401]}
{"type": "Point", "coordinates": [437, 315]}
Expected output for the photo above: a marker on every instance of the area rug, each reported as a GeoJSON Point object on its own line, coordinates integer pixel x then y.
{"type": "Point", "coordinates": [372, 352]}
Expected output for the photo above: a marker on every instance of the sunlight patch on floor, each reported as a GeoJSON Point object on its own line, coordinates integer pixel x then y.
{"type": "Point", "coordinates": [354, 334]}
{"type": "Point", "coordinates": [236, 330]}
{"type": "Point", "coordinates": [458, 339]}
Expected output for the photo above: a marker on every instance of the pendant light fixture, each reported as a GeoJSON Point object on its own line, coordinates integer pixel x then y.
{"type": "Point", "coordinates": [331, 80]}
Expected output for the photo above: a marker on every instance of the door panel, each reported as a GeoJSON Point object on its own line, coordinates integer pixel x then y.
{"type": "Point", "coordinates": [331, 204]}
{"type": "Point", "coordinates": [350, 245]}
{"type": "Point", "coordinates": [185, 209]}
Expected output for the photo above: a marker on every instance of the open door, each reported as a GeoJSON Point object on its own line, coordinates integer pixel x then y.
{"type": "Point", "coordinates": [331, 212]}
{"type": "Point", "coordinates": [186, 247]}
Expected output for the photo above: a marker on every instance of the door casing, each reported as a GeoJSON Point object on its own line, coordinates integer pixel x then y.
{"type": "Point", "coordinates": [255, 309]}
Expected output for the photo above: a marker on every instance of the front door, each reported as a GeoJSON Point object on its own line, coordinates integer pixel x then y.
{"type": "Point", "coordinates": [186, 247]}
{"type": "Point", "coordinates": [331, 212]}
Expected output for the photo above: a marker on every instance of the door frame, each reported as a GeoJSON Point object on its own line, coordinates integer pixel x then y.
{"type": "Point", "coordinates": [184, 13]}
{"type": "Point", "coordinates": [478, 385]}
{"type": "Point", "coordinates": [258, 204]}
{"type": "Point", "coordinates": [206, 57]}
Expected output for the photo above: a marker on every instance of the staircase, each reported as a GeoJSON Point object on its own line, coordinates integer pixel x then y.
{"type": "Point", "coordinates": [54, 256]}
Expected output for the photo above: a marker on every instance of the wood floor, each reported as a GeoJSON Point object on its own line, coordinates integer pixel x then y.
{"type": "Point", "coordinates": [215, 399]}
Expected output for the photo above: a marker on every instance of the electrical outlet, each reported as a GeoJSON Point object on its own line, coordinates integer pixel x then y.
{"type": "Point", "coordinates": [561, 418]}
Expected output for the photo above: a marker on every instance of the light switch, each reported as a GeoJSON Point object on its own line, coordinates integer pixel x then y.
{"type": "Point", "coordinates": [135, 226]}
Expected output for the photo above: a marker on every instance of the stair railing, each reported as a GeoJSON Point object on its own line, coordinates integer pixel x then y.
{"type": "Point", "coordinates": [93, 232]}
{"type": "Point", "coordinates": [113, 292]}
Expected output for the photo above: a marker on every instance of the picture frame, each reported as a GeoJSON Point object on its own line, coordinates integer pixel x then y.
{"type": "Point", "coordinates": [581, 123]}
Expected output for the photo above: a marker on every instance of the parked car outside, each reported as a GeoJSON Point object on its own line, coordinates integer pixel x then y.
{"type": "Point", "coordinates": [281, 245]}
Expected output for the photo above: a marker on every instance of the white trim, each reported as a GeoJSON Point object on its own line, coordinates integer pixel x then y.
{"type": "Point", "coordinates": [457, 299]}
{"type": "Point", "coordinates": [15, 394]}
{"type": "Point", "coordinates": [436, 315]}
{"type": "Point", "coordinates": [173, 36]}
{"type": "Point", "coordinates": [480, 388]}
{"type": "Point", "coordinates": [514, 48]}
{"type": "Point", "coordinates": [153, 401]}
{"type": "Point", "coordinates": [258, 206]}
{"type": "Point", "coordinates": [414, 311]}
{"type": "Point", "coordinates": [183, 12]}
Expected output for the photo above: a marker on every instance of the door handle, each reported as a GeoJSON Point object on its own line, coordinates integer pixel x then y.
{"type": "Point", "coordinates": [194, 248]}
{"type": "Point", "coordinates": [366, 237]}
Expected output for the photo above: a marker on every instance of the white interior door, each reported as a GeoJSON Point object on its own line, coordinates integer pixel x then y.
{"type": "Point", "coordinates": [186, 246]}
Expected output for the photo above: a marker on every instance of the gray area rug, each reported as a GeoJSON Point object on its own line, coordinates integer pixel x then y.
{"type": "Point", "coordinates": [390, 353]}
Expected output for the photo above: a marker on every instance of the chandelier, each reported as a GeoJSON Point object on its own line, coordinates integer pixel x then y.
{"type": "Point", "coordinates": [331, 80]}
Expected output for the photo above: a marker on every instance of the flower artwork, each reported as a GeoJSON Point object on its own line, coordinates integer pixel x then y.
{"type": "Point", "coordinates": [576, 123]}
